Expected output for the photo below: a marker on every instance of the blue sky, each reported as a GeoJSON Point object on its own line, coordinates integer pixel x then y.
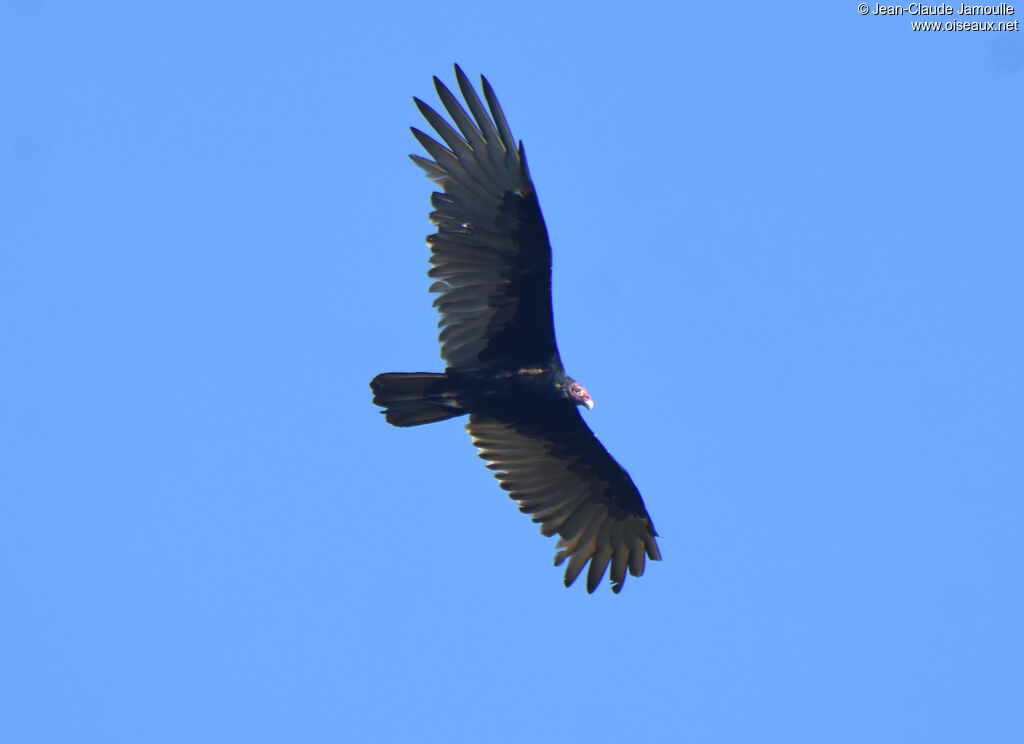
{"type": "Point", "coordinates": [788, 262]}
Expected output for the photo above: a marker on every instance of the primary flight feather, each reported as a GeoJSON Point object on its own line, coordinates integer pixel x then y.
{"type": "Point", "coordinates": [491, 262]}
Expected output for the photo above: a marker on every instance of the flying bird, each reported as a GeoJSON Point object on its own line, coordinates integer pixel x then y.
{"type": "Point", "coordinates": [491, 262]}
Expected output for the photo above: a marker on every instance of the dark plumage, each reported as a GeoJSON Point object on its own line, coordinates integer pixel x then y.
{"type": "Point", "coordinates": [491, 261]}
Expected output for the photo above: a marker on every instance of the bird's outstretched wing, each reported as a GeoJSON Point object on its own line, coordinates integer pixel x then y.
{"type": "Point", "coordinates": [561, 475]}
{"type": "Point", "coordinates": [491, 257]}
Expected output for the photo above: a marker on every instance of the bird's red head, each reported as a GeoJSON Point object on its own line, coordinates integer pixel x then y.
{"type": "Point", "coordinates": [579, 395]}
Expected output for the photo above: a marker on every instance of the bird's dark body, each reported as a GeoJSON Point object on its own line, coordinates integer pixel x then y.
{"type": "Point", "coordinates": [528, 393]}
{"type": "Point", "coordinates": [491, 260]}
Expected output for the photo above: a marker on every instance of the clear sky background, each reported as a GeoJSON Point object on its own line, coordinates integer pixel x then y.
{"type": "Point", "coordinates": [788, 264]}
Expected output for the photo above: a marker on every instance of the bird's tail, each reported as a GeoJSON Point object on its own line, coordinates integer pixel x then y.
{"type": "Point", "coordinates": [414, 398]}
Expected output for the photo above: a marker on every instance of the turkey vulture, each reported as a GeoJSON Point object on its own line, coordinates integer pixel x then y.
{"type": "Point", "coordinates": [491, 261]}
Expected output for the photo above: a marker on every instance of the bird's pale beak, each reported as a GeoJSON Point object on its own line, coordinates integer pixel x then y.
{"type": "Point", "coordinates": [589, 403]}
